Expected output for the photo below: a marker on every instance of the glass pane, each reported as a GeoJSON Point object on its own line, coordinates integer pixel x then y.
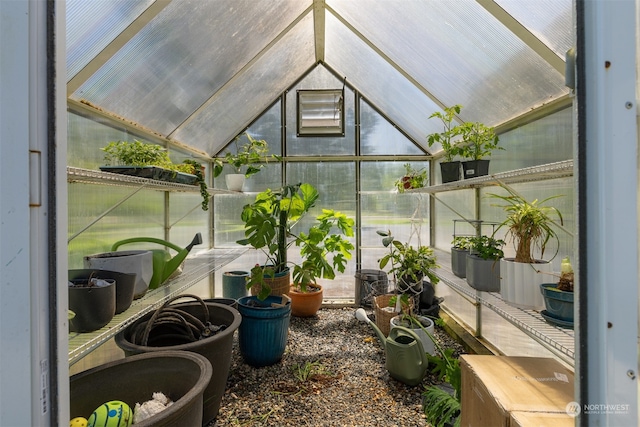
{"type": "Point", "coordinates": [251, 92]}
{"type": "Point", "coordinates": [92, 25]}
{"type": "Point", "coordinates": [336, 184]}
{"type": "Point", "coordinates": [455, 49]}
{"type": "Point", "coordinates": [379, 137]}
{"type": "Point", "coordinates": [157, 78]}
{"type": "Point", "coordinates": [550, 20]}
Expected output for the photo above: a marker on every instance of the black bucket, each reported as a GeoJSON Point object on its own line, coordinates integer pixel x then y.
{"type": "Point", "coordinates": [369, 284]}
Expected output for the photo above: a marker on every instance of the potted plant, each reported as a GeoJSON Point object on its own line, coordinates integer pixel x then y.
{"type": "Point", "coordinates": [478, 141]}
{"type": "Point", "coordinates": [245, 161]}
{"type": "Point", "coordinates": [558, 297]}
{"type": "Point", "coordinates": [269, 226]}
{"type": "Point", "coordinates": [449, 168]}
{"type": "Point", "coordinates": [153, 161]}
{"type": "Point", "coordinates": [409, 265]}
{"type": "Point", "coordinates": [441, 403]}
{"type": "Point", "coordinates": [422, 326]}
{"type": "Point", "coordinates": [412, 178]}
{"type": "Point", "coordinates": [459, 250]}
{"type": "Point", "coordinates": [530, 226]}
{"type": "Point", "coordinates": [483, 263]}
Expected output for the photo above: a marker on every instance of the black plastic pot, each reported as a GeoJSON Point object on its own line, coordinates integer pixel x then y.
{"type": "Point", "coordinates": [94, 306]}
{"type": "Point", "coordinates": [125, 284]}
{"type": "Point", "coordinates": [182, 376]}
{"type": "Point", "coordinates": [216, 348]}
{"type": "Point", "coordinates": [370, 283]}
{"type": "Point", "coordinates": [450, 171]}
{"type": "Point", "coordinates": [474, 168]}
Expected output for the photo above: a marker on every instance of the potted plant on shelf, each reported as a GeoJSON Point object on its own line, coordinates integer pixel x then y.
{"type": "Point", "coordinates": [449, 168]}
{"type": "Point", "coordinates": [483, 263]}
{"type": "Point", "coordinates": [412, 178]}
{"type": "Point", "coordinates": [478, 141]}
{"type": "Point", "coordinates": [248, 156]}
{"type": "Point", "coordinates": [409, 265]}
{"type": "Point", "coordinates": [530, 226]}
{"type": "Point", "coordinates": [558, 297]}
{"type": "Point", "coordinates": [152, 161]}
{"type": "Point", "coordinates": [459, 250]}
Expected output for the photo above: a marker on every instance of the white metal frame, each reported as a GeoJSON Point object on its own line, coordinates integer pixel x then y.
{"type": "Point", "coordinates": [607, 362]}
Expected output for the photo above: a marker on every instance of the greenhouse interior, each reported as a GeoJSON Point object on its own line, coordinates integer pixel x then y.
{"type": "Point", "coordinates": [342, 115]}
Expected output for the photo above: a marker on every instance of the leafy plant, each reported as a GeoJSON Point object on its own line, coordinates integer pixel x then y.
{"type": "Point", "coordinates": [487, 247]}
{"type": "Point", "coordinates": [269, 226]}
{"type": "Point", "coordinates": [461, 242]}
{"type": "Point", "coordinates": [478, 140]}
{"type": "Point", "coordinates": [408, 263]}
{"type": "Point", "coordinates": [412, 178]}
{"type": "Point", "coordinates": [308, 369]}
{"type": "Point", "coordinates": [196, 169]}
{"type": "Point", "coordinates": [250, 154]}
{"type": "Point", "coordinates": [529, 224]}
{"type": "Point", "coordinates": [449, 133]}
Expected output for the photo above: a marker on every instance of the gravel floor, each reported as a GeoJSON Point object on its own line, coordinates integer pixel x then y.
{"type": "Point", "coordinates": [348, 385]}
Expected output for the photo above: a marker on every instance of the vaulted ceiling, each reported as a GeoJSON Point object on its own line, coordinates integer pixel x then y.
{"type": "Point", "coordinates": [199, 71]}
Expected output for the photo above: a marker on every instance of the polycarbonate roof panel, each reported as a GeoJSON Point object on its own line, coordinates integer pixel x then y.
{"type": "Point", "coordinates": [459, 52]}
{"type": "Point", "coordinates": [250, 93]}
{"type": "Point", "coordinates": [549, 20]}
{"type": "Point", "coordinates": [379, 82]}
{"type": "Point", "coordinates": [184, 55]}
{"type": "Point", "coordinates": [92, 25]}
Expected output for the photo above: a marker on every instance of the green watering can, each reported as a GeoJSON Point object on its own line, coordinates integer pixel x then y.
{"type": "Point", "coordinates": [406, 360]}
{"type": "Point", "coordinates": [163, 265]}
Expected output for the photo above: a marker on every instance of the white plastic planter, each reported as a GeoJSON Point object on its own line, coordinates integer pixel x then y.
{"type": "Point", "coordinates": [520, 283]}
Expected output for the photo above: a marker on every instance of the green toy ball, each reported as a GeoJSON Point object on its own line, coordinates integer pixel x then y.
{"type": "Point", "coordinates": [111, 414]}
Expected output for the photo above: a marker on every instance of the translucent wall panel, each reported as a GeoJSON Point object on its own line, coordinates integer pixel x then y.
{"type": "Point", "coordinates": [336, 184]}
{"type": "Point", "coordinates": [158, 79]}
{"type": "Point", "coordinates": [449, 206]}
{"type": "Point", "coordinates": [378, 81]}
{"type": "Point", "coordinates": [550, 20]}
{"type": "Point", "coordinates": [238, 103]}
{"type": "Point", "coordinates": [92, 25]}
{"type": "Point", "coordinates": [379, 137]}
{"type": "Point", "coordinates": [455, 49]}
{"type": "Point", "coordinates": [320, 78]}
{"type": "Point", "coordinates": [383, 208]}
{"type": "Point", "coordinates": [547, 140]}
{"type": "Point", "coordinates": [142, 215]}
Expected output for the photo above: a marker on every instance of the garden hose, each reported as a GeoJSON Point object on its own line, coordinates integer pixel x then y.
{"type": "Point", "coordinates": [180, 324]}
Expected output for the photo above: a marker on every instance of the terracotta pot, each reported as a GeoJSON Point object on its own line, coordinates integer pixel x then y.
{"type": "Point", "coordinates": [306, 304]}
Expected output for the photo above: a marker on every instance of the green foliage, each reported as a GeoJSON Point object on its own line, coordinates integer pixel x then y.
{"type": "Point", "coordinates": [137, 153]}
{"type": "Point", "coordinates": [461, 242]}
{"type": "Point", "coordinates": [449, 133]}
{"type": "Point", "coordinates": [487, 247]}
{"type": "Point", "coordinates": [440, 407]}
{"type": "Point", "coordinates": [269, 222]}
{"type": "Point", "coordinates": [308, 369]}
{"type": "Point", "coordinates": [251, 154]}
{"type": "Point", "coordinates": [478, 140]}
{"type": "Point", "coordinates": [408, 262]}
{"type": "Point", "coordinates": [412, 178]}
{"type": "Point", "coordinates": [529, 224]}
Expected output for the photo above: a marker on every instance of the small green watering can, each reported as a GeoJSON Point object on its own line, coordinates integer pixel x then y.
{"type": "Point", "coordinates": [406, 360]}
{"type": "Point", "coordinates": [163, 265]}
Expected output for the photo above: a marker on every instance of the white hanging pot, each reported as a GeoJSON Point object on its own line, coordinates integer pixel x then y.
{"type": "Point", "coordinates": [235, 181]}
